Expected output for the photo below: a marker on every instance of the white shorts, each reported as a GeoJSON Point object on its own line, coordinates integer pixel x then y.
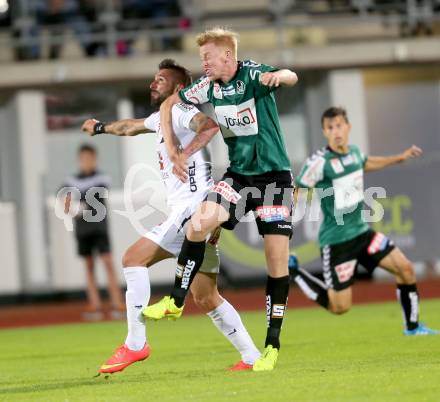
{"type": "Point", "coordinates": [170, 234]}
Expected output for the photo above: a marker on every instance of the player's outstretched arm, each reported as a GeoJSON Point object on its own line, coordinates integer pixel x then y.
{"type": "Point", "coordinates": [282, 77]}
{"type": "Point", "coordinates": [379, 162]}
{"type": "Point", "coordinates": [127, 127]}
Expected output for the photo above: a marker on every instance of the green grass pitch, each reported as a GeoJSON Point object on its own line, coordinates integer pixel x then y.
{"type": "Point", "coordinates": [361, 356]}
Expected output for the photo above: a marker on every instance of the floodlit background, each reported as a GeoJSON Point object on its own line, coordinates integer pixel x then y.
{"type": "Point", "coordinates": [63, 61]}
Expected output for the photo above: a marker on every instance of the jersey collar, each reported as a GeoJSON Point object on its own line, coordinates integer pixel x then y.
{"type": "Point", "coordinates": [337, 153]}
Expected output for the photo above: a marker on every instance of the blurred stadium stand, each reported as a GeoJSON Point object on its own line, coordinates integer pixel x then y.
{"type": "Point", "coordinates": [62, 61]}
{"type": "Point", "coordinates": [74, 28]}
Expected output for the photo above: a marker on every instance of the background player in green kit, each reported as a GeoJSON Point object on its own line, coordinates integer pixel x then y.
{"type": "Point", "coordinates": [345, 238]}
{"type": "Point", "coordinates": [258, 179]}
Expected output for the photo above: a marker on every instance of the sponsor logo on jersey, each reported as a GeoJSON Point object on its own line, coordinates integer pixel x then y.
{"type": "Point", "coordinates": [284, 226]}
{"type": "Point", "coordinates": [313, 172]}
{"type": "Point", "coordinates": [192, 177]}
{"type": "Point", "coordinates": [244, 117]}
{"type": "Point", "coordinates": [227, 192]}
{"type": "Point", "coordinates": [195, 93]}
{"type": "Point", "coordinates": [348, 160]}
{"type": "Point", "coordinates": [378, 243]}
{"type": "Point", "coordinates": [337, 165]}
{"type": "Point", "coordinates": [349, 189]}
{"type": "Point", "coordinates": [273, 213]}
{"type": "Point", "coordinates": [238, 120]}
{"type": "Point", "coordinates": [187, 273]}
{"type": "Point", "coordinates": [185, 107]}
{"type": "Point", "coordinates": [345, 271]}
{"type": "Point", "coordinates": [240, 87]}
{"type": "Point", "coordinates": [278, 310]}
{"type": "Point", "coordinates": [229, 91]}
{"type": "Point", "coordinates": [217, 91]}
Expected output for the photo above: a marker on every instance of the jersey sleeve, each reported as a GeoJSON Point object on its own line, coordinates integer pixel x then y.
{"type": "Point", "coordinates": [183, 114]}
{"type": "Point", "coordinates": [255, 70]}
{"type": "Point", "coordinates": [312, 172]}
{"type": "Point", "coordinates": [149, 123]}
{"type": "Point", "coordinates": [197, 92]}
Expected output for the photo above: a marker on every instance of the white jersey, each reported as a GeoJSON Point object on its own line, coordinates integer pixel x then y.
{"type": "Point", "coordinates": [199, 165]}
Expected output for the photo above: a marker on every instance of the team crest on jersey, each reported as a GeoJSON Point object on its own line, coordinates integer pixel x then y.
{"type": "Point", "coordinates": [240, 87]}
{"type": "Point", "coordinates": [345, 270]}
{"type": "Point", "coordinates": [337, 165]}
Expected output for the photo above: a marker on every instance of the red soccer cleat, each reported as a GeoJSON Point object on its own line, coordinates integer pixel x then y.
{"type": "Point", "coordinates": [240, 366]}
{"type": "Point", "coordinates": [123, 357]}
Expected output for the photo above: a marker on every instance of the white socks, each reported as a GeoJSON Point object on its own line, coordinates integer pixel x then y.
{"type": "Point", "coordinates": [224, 317]}
{"type": "Point", "coordinates": [136, 297]}
{"type": "Point", "coordinates": [228, 321]}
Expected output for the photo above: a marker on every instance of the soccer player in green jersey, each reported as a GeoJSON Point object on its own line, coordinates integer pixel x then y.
{"type": "Point", "coordinates": [258, 178]}
{"type": "Point", "coordinates": [345, 238]}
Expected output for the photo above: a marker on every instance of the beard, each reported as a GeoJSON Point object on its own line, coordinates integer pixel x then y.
{"type": "Point", "coordinates": [156, 102]}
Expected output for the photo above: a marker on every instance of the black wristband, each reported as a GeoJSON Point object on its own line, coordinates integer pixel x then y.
{"type": "Point", "coordinates": [99, 128]}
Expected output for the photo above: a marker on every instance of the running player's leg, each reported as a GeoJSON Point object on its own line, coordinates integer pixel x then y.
{"type": "Point", "coordinates": [382, 252]}
{"type": "Point", "coordinates": [313, 288]}
{"type": "Point", "coordinates": [339, 301]}
{"type": "Point", "coordinates": [339, 263]}
{"type": "Point", "coordinates": [137, 258]}
{"type": "Point", "coordinates": [276, 248]}
{"type": "Point", "coordinates": [274, 212]}
{"type": "Point", "coordinates": [141, 255]}
{"type": "Point", "coordinates": [205, 220]}
{"type": "Point", "coordinates": [403, 270]}
{"type": "Point", "coordinates": [222, 313]}
{"type": "Point", "coordinates": [336, 301]}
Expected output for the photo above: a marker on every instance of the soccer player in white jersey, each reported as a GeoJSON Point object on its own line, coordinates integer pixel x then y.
{"type": "Point", "coordinates": [165, 240]}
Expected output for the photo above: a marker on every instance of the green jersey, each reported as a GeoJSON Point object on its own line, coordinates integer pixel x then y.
{"type": "Point", "coordinates": [248, 118]}
{"type": "Point", "coordinates": [340, 177]}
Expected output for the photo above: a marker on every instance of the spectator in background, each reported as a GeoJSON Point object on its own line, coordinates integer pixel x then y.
{"type": "Point", "coordinates": [162, 14]}
{"type": "Point", "coordinates": [93, 236]}
{"type": "Point", "coordinates": [77, 15]}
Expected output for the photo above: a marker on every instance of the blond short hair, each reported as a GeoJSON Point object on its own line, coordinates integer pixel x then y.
{"type": "Point", "coordinates": [220, 37]}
